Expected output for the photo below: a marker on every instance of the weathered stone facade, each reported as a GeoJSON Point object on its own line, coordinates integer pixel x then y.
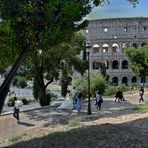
{"type": "Point", "coordinates": [108, 38]}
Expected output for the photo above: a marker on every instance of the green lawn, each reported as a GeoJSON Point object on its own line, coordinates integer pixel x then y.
{"type": "Point", "coordinates": [142, 107]}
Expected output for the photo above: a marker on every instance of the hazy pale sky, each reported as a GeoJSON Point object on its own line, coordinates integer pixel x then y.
{"type": "Point", "coordinates": [120, 8]}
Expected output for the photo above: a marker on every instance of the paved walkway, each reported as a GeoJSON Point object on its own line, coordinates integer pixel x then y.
{"type": "Point", "coordinates": [50, 115]}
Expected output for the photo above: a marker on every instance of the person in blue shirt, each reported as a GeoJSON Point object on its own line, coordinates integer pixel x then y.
{"type": "Point", "coordinates": [79, 103]}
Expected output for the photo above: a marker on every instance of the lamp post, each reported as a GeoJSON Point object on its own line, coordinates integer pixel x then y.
{"type": "Point", "coordinates": [88, 47]}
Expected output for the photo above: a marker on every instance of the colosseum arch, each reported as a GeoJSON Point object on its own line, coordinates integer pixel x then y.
{"type": "Point", "coordinates": [134, 45]}
{"type": "Point", "coordinates": [125, 81]}
{"type": "Point", "coordinates": [124, 64]}
{"type": "Point", "coordinates": [143, 44]}
{"type": "Point", "coordinates": [115, 47]}
{"type": "Point", "coordinates": [115, 64]}
{"type": "Point", "coordinates": [105, 48]}
{"type": "Point", "coordinates": [96, 65]}
{"type": "Point", "coordinates": [106, 64]}
{"type": "Point", "coordinates": [96, 48]}
{"type": "Point", "coordinates": [115, 81]}
{"type": "Point", "coordinates": [134, 79]}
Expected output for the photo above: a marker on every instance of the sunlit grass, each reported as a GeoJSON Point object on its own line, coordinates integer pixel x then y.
{"type": "Point", "coordinates": [14, 138]}
{"type": "Point", "coordinates": [141, 107]}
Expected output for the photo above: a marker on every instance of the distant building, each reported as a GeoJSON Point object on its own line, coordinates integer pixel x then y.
{"type": "Point", "coordinates": [109, 38]}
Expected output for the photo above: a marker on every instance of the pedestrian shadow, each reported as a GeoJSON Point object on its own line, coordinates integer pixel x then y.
{"type": "Point", "coordinates": [26, 124]}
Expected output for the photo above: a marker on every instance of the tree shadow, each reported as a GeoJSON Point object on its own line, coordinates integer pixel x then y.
{"type": "Point", "coordinates": [130, 134]}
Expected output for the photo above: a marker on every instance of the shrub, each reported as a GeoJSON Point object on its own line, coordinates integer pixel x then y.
{"type": "Point", "coordinates": [81, 85]}
{"type": "Point", "coordinates": [10, 102]}
{"type": "Point", "coordinates": [19, 82]}
{"type": "Point", "coordinates": [110, 90]}
{"type": "Point", "coordinates": [97, 82]}
{"type": "Point", "coordinates": [25, 101]}
{"type": "Point", "coordinates": [123, 87]}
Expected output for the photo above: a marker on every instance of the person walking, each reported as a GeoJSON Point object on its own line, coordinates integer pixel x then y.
{"type": "Point", "coordinates": [74, 95]}
{"type": "Point", "coordinates": [141, 93]}
{"type": "Point", "coordinates": [99, 100]}
{"type": "Point", "coordinates": [79, 103]}
{"type": "Point", "coordinates": [17, 105]}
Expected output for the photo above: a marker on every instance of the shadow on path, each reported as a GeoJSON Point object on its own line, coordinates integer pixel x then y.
{"type": "Point", "coordinates": [130, 134]}
{"type": "Point", "coordinates": [26, 124]}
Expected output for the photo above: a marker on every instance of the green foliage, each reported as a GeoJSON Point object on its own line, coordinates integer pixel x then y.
{"type": "Point", "coordinates": [123, 87]}
{"type": "Point", "coordinates": [19, 81]}
{"type": "Point", "coordinates": [14, 138]}
{"type": "Point", "coordinates": [10, 102]}
{"type": "Point", "coordinates": [110, 90]}
{"type": "Point", "coordinates": [138, 58]}
{"type": "Point", "coordinates": [141, 107]}
{"type": "Point", "coordinates": [97, 81]}
{"type": "Point", "coordinates": [25, 101]}
{"type": "Point", "coordinates": [81, 85]}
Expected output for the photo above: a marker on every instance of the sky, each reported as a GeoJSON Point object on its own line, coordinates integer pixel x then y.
{"type": "Point", "coordinates": [120, 8]}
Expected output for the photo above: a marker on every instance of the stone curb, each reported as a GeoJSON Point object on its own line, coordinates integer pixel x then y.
{"type": "Point", "coordinates": [11, 112]}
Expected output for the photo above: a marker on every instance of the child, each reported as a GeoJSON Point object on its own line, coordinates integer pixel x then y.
{"type": "Point", "coordinates": [79, 103]}
{"type": "Point", "coordinates": [99, 100]}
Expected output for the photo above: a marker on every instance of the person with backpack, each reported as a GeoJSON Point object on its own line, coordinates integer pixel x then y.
{"type": "Point", "coordinates": [99, 100]}
{"type": "Point", "coordinates": [17, 105]}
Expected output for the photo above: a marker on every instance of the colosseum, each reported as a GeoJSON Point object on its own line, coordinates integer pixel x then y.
{"type": "Point", "coordinates": [108, 39]}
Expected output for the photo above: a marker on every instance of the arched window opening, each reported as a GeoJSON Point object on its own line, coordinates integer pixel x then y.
{"type": "Point", "coordinates": [105, 48]}
{"type": "Point", "coordinates": [124, 64]}
{"type": "Point", "coordinates": [125, 81]}
{"type": "Point", "coordinates": [96, 65]}
{"type": "Point", "coordinates": [115, 47]}
{"type": "Point", "coordinates": [143, 44]}
{"type": "Point", "coordinates": [134, 79]}
{"type": "Point", "coordinates": [134, 45]}
{"type": "Point", "coordinates": [95, 48]}
{"type": "Point", "coordinates": [115, 81]}
{"type": "Point", "coordinates": [115, 64]}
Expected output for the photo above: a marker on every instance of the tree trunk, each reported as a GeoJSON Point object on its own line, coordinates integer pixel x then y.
{"type": "Point", "coordinates": [44, 98]}
{"type": "Point", "coordinates": [8, 79]}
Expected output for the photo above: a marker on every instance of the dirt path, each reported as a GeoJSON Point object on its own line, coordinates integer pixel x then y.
{"type": "Point", "coordinates": [112, 113]}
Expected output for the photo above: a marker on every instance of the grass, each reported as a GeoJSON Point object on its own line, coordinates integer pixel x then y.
{"type": "Point", "coordinates": [141, 107]}
{"type": "Point", "coordinates": [74, 122]}
{"type": "Point", "coordinates": [14, 138]}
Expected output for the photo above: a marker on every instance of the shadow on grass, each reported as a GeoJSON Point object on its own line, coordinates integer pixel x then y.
{"type": "Point", "coordinates": [130, 135]}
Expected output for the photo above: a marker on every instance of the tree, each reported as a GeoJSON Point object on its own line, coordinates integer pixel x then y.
{"type": "Point", "coordinates": [48, 66]}
{"type": "Point", "coordinates": [36, 24]}
{"type": "Point", "coordinates": [138, 58]}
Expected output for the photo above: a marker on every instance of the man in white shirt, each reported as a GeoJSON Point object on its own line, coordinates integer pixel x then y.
{"type": "Point", "coordinates": [17, 105]}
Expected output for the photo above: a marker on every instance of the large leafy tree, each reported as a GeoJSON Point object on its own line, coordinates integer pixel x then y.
{"type": "Point", "coordinates": [138, 58]}
{"type": "Point", "coordinates": [46, 66]}
{"type": "Point", "coordinates": [36, 24]}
